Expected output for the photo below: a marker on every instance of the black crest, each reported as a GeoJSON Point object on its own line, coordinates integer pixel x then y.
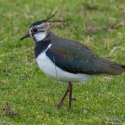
{"type": "Point", "coordinates": [45, 20]}
{"type": "Point", "coordinates": [50, 16]}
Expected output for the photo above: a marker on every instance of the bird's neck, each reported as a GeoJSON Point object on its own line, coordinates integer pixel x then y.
{"type": "Point", "coordinates": [42, 45]}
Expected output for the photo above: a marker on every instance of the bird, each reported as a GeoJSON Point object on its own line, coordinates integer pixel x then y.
{"type": "Point", "coordinates": [67, 60]}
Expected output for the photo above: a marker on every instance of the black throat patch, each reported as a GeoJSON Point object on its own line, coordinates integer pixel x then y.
{"type": "Point", "coordinates": [41, 46]}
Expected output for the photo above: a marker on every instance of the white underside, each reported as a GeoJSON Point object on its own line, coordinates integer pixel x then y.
{"type": "Point", "coordinates": [49, 68]}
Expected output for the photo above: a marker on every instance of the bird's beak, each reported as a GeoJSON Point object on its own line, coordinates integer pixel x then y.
{"type": "Point", "coordinates": [25, 36]}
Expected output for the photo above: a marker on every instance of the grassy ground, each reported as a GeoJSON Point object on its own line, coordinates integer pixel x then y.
{"type": "Point", "coordinates": [98, 24]}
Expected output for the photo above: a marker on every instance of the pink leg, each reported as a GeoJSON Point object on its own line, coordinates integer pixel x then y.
{"type": "Point", "coordinates": [69, 89]}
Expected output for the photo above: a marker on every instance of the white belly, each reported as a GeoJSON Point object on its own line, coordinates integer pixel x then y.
{"type": "Point", "coordinates": [49, 68]}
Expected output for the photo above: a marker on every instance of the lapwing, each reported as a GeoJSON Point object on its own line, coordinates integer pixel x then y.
{"type": "Point", "coordinates": [67, 60]}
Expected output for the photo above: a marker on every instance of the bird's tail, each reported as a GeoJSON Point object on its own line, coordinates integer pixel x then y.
{"type": "Point", "coordinates": [116, 69]}
{"type": "Point", "coordinates": [113, 68]}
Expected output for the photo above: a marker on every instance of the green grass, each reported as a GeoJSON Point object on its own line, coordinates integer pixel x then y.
{"type": "Point", "coordinates": [34, 95]}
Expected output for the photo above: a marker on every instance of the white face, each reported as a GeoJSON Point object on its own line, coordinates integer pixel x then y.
{"type": "Point", "coordinates": [40, 36]}
{"type": "Point", "coordinates": [38, 32]}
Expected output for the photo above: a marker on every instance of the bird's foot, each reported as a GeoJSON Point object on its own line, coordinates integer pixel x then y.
{"type": "Point", "coordinates": [73, 99]}
{"type": "Point", "coordinates": [59, 105]}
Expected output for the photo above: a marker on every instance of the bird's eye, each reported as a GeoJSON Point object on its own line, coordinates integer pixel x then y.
{"type": "Point", "coordinates": [34, 29]}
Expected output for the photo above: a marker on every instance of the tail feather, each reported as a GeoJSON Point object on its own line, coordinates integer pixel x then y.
{"type": "Point", "coordinates": [112, 67]}
{"type": "Point", "coordinates": [115, 69]}
{"type": "Point", "coordinates": [123, 66]}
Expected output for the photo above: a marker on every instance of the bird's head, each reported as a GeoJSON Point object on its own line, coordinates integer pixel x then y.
{"type": "Point", "coordinates": [39, 30]}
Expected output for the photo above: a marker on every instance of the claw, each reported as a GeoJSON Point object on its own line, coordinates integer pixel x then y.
{"type": "Point", "coordinates": [73, 99]}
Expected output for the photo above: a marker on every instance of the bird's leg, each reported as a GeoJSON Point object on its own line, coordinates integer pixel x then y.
{"type": "Point", "coordinates": [61, 102]}
{"type": "Point", "coordinates": [70, 95]}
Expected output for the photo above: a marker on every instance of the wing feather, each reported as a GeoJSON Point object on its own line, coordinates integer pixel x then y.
{"type": "Point", "coordinates": [74, 57]}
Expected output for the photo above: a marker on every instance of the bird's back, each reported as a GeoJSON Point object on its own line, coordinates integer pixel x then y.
{"type": "Point", "coordinates": [75, 57]}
